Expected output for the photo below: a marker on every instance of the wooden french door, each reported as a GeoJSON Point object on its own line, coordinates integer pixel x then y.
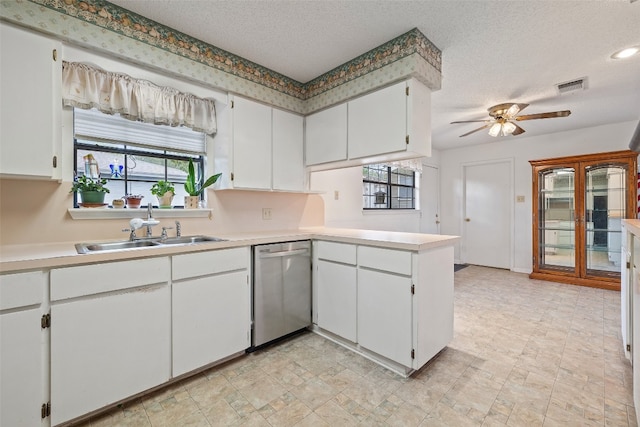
{"type": "Point", "coordinates": [578, 205]}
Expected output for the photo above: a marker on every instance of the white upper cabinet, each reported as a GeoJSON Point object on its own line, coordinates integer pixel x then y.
{"type": "Point", "coordinates": [392, 123]}
{"type": "Point", "coordinates": [30, 100]}
{"type": "Point", "coordinates": [251, 144]}
{"type": "Point", "coordinates": [288, 151]}
{"type": "Point", "coordinates": [326, 135]}
{"type": "Point", "coordinates": [258, 147]}
{"type": "Point", "coordinates": [378, 122]}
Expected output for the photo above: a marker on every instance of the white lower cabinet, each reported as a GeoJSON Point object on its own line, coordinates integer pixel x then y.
{"type": "Point", "coordinates": [24, 354]}
{"type": "Point", "coordinates": [396, 306]}
{"type": "Point", "coordinates": [110, 335]}
{"type": "Point", "coordinates": [336, 294]}
{"type": "Point", "coordinates": [385, 315]}
{"type": "Point", "coordinates": [211, 312]}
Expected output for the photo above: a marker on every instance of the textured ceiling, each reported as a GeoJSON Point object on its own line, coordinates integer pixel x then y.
{"type": "Point", "coordinates": [492, 51]}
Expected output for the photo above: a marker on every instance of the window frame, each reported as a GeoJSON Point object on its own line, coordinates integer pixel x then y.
{"type": "Point", "coordinates": [389, 186]}
{"type": "Point", "coordinates": [129, 149]}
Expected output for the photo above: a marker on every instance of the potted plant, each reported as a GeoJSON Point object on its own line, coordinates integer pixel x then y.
{"type": "Point", "coordinates": [133, 200]}
{"type": "Point", "coordinates": [90, 190]}
{"type": "Point", "coordinates": [164, 191]}
{"type": "Point", "coordinates": [194, 189]}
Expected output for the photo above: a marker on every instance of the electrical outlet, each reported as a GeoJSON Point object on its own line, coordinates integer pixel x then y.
{"type": "Point", "coordinates": [266, 213]}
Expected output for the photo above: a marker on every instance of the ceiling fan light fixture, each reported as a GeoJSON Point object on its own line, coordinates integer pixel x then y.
{"type": "Point", "coordinates": [495, 129]}
{"type": "Point", "coordinates": [508, 128]}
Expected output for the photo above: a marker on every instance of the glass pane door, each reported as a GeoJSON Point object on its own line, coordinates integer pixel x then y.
{"type": "Point", "coordinates": [556, 232]}
{"type": "Point", "coordinates": [605, 190]}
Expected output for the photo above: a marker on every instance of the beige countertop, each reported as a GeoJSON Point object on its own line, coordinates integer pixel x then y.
{"type": "Point", "coordinates": [27, 257]}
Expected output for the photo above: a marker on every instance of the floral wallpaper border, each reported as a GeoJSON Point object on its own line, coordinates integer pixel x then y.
{"type": "Point", "coordinates": [121, 21]}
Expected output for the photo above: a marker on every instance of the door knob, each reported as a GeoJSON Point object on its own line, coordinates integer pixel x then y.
{"type": "Point", "coordinates": [467, 219]}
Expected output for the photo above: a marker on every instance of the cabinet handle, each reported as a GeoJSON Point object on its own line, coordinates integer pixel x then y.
{"type": "Point", "coordinates": [437, 222]}
{"type": "Point", "coordinates": [55, 54]}
{"type": "Point", "coordinates": [468, 219]}
{"type": "Point", "coordinates": [55, 161]}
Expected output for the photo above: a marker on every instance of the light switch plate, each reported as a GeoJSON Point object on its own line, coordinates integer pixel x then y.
{"type": "Point", "coordinates": [520, 199]}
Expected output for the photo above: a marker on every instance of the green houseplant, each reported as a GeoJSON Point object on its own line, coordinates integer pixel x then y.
{"type": "Point", "coordinates": [90, 190]}
{"type": "Point", "coordinates": [194, 189]}
{"type": "Point", "coordinates": [164, 191]}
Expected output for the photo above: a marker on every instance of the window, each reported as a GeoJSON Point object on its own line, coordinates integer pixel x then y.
{"type": "Point", "coordinates": [133, 156]}
{"type": "Point", "coordinates": [388, 187]}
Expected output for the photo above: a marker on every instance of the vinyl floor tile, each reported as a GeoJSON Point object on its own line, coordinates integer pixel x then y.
{"type": "Point", "coordinates": [525, 353]}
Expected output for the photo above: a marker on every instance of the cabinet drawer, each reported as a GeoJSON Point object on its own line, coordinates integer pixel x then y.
{"type": "Point", "coordinates": [338, 252]}
{"type": "Point", "coordinates": [92, 279]}
{"type": "Point", "coordinates": [391, 260]}
{"type": "Point", "coordinates": [21, 289]}
{"type": "Point", "coordinates": [213, 262]}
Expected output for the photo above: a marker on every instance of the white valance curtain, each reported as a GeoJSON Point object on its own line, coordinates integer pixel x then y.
{"type": "Point", "coordinates": [87, 86]}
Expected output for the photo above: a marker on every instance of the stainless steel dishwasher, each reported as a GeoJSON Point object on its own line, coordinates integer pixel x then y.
{"type": "Point", "coordinates": [281, 290]}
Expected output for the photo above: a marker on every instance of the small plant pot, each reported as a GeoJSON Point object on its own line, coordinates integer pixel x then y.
{"type": "Point", "coordinates": [164, 202]}
{"type": "Point", "coordinates": [92, 197]}
{"type": "Point", "coordinates": [133, 202]}
{"type": "Point", "coordinates": [191, 202]}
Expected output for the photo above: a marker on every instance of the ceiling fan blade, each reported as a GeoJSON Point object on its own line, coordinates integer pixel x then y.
{"type": "Point", "coordinates": [472, 121]}
{"type": "Point", "coordinates": [514, 109]}
{"type": "Point", "coordinates": [518, 130]}
{"type": "Point", "coordinates": [476, 130]}
{"type": "Point", "coordinates": [549, 115]}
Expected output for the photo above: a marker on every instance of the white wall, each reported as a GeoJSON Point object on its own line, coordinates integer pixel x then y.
{"type": "Point", "coordinates": [346, 211]}
{"type": "Point", "coordinates": [613, 137]}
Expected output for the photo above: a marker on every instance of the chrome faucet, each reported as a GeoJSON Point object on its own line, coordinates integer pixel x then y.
{"type": "Point", "coordinates": [150, 221]}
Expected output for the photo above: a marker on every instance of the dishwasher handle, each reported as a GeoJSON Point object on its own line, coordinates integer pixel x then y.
{"type": "Point", "coordinates": [280, 254]}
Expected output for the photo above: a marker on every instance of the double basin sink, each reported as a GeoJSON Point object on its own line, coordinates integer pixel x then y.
{"type": "Point", "coordinates": [86, 248]}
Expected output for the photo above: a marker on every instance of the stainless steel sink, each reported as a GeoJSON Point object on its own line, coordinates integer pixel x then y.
{"type": "Point", "coordinates": [85, 248]}
{"type": "Point", "coordinates": [188, 240]}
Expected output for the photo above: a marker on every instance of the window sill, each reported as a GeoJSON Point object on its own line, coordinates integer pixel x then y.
{"type": "Point", "coordinates": [390, 212]}
{"type": "Point", "coordinates": [108, 213]}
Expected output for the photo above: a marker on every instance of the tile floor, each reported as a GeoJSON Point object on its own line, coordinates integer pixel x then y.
{"type": "Point", "coordinates": [525, 353]}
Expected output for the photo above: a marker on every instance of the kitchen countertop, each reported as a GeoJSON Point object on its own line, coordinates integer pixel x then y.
{"type": "Point", "coordinates": [15, 258]}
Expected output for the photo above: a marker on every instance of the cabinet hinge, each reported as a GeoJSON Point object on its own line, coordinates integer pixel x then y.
{"type": "Point", "coordinates": [413, 354]}
{"type": "Point", "coordinates": [55, 161]}
{"type": "Point", "coordinates": [231, 103]}
{"type": "Point", "coordinates": [407, 139]}
{"type": "Point", "coordinates": [231, 176]}
{"type": "Point", "coordinates": [45, 410]}
{"type": "Point", "coordinates": [413, 289]}
{"type": "Point", "coordinates": [55, 54]}
{"type": "Point", "coordinates": [407, 90]}
{"type": "Point", "coordinates": [45, 321]}
{"type": "Point", "coordinates": [629, 347]}
{"type": "Point", "coordinates": [628, 264]}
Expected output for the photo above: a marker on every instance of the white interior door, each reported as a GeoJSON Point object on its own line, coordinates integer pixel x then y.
{"type": "Point", "coordinates": [430, 200]}
{"type": "Point", "coordinates": [487, 214]}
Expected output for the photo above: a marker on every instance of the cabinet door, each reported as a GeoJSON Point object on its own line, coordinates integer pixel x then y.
{"type": "Point", "coordinates": [385, 315]}
{"type": "Point", "coordinates": [22, 341]}
{"type": "Point", "coordinates": [108, 347]}
{"type": "Point", "coordinates": [326, 135]}
{"type": "Point", "coordinates": [211, 319]}
{"type": "Point", "coordinates": [30, 128]}
{"type": "Point", "coordinates": [336, 292]}
{"type": "Point", "coordinates": [288, 154]}
{"type": "Point", "coordinates": [378, 122]}
{"type": "Point", "coordinates": [251, 144]}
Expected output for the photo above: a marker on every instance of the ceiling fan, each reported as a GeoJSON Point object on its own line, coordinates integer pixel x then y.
{"type": "Point", "coordinates": [503, 117]}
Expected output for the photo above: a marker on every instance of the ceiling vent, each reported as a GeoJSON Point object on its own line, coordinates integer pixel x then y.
{"type": "Point", "coordinates": [572, 86]}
